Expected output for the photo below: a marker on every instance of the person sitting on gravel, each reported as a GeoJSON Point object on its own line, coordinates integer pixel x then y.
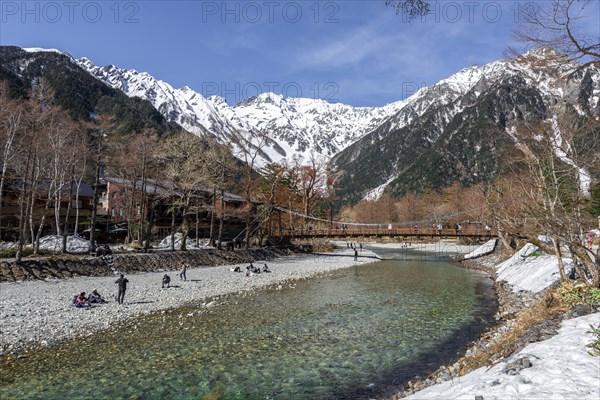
{"type": "Point", "coordinates": [236, 269]}
{"type": "Point", "coordinates": [95, 297]}
{"type": "Point", "coordinates": [253, 269]}
{"type": "Point", "coordinates": [266, 268]}
{"type": "Point", "coordinates": [166, 281]}
{"type": "Point", "coordinates": [81, 301]}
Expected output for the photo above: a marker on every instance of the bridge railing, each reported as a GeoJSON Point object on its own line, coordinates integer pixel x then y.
{"type": "Point", "coordinates": [434, 232]}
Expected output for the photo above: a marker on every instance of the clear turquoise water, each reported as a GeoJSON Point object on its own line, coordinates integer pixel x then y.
{"type": "Point", "coordinates": [358, 333]}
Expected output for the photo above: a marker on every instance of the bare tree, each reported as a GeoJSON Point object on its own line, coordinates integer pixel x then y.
{"type": "Point", "coordinates": [133, 158]}
{"type": "Point", "coordinates": [98, 130]}
{"type": "Point", "coordinates": [11, 123]}
{"type": "Point", "coordinates": [411, 208]}
{"type": "Point", "coordinates": [220, 166]}
{"type": "Point", "coordinates": [551, 193]}
{"type": "Point", "coordinates": [560, 24]}
{"type": "Point", "coordinates": [310, 182]}
{"type": "Point", "coordinates": [51, 162]}
{"type": "Point", "coordinates": [184, 169]}
{"type": "Point", "coordinates": [249, 152]}
{"type": "Point", "coordinates": [75, 162]}
{"type": "Point", "coordinates": [274, 177]}
{"type": "Point", "coordinates": [80, 169]}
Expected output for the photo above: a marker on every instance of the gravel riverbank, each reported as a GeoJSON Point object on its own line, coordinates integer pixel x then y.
{"type": "Point", "coordinates": [40, 312]}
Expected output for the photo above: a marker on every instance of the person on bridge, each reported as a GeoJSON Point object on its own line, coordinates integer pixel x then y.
{"type": "Point", "coordinates": [488, 231]}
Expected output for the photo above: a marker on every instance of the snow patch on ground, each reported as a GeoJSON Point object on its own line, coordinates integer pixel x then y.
{"type": "Point", "coordinates": [530, 269]}
{"type": "Point", "coordinates": [75, 244]}
{"type": "Point", "coordinates": [190, 243]}
{"type": "Point", "coordinates": [561, 369]}
{"type": "Point", "coordinates": [376, 193]}
{"type": "Point", "coordinates": [482, 250]}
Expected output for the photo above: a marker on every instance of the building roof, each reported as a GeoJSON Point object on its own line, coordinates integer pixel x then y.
{"type": "Point", "coordinates": [85, 190]}
{"type": "Point", "coordinates": [154, 187]}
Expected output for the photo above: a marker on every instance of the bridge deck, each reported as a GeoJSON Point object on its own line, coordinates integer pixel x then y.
{"type": "Point", "coordinates": [379, 232]}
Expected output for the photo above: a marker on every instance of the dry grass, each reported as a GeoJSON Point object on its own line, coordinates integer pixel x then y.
{"type": "Point", "coordinates": [504, 345]}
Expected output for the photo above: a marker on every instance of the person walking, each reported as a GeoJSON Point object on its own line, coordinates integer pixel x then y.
{"type": "Point", "coordinates": [122, 282]}
{"type": "Point", "coordinates": [182, 275]}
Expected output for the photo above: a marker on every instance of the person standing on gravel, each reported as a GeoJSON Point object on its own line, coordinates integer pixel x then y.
{"type": "Point", "coordinates": [182, 273]}
{"type": "Point", "coordinates": [122, 282]}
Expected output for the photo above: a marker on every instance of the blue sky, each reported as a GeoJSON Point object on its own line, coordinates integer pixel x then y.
{"type": "Point", "coordinates": [356, 52]}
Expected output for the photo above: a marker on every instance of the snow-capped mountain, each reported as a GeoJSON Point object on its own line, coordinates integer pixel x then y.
{"type": "Point", "coordinates": [460, 129]}
{"type": "Point", "coordinates": [454, 130]}
{"type": "Point", "coordinates": [283, 128]}
{"type": "Point", "coordinates": [183, 106]}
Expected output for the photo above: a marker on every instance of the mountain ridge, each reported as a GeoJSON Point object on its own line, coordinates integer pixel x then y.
{"type": "Point", "coordinates": [458, 137]}
{"type": "Point", "coordinates": [451, 131]}
{"type": "Point", "coordinates": [296, 127]}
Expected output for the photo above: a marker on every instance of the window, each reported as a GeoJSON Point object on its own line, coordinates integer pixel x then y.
{"type": "Point", "coordinates": [76, 203]}
{"type": "Point", "coordinates": [112, 212]}
{"type": "Point", "coordinates": [122, 211]}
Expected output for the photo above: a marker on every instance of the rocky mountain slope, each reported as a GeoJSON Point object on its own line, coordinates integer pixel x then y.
{"type": "Point", "coordinates": [462, 128]}
{"type": "Point", "coordinates": [75, 90]}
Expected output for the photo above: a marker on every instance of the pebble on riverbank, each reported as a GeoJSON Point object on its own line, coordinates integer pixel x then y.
{"type": "Point", "coordinates": [51, 316]}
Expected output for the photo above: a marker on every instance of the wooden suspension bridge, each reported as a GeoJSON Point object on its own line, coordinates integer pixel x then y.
{"type": "Point", "coordinates": [400, 233]}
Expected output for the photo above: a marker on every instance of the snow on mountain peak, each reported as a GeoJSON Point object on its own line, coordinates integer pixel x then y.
{"type": "Point", "coordinates": [303, 126]}
{"type": "Point", "coordinates": [296, 127]}
{"type": "Point", "coordinates": [42, 50]}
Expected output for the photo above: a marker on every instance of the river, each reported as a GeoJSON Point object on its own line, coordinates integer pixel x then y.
{"type": "Point", "coordinates": [356, 333]}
